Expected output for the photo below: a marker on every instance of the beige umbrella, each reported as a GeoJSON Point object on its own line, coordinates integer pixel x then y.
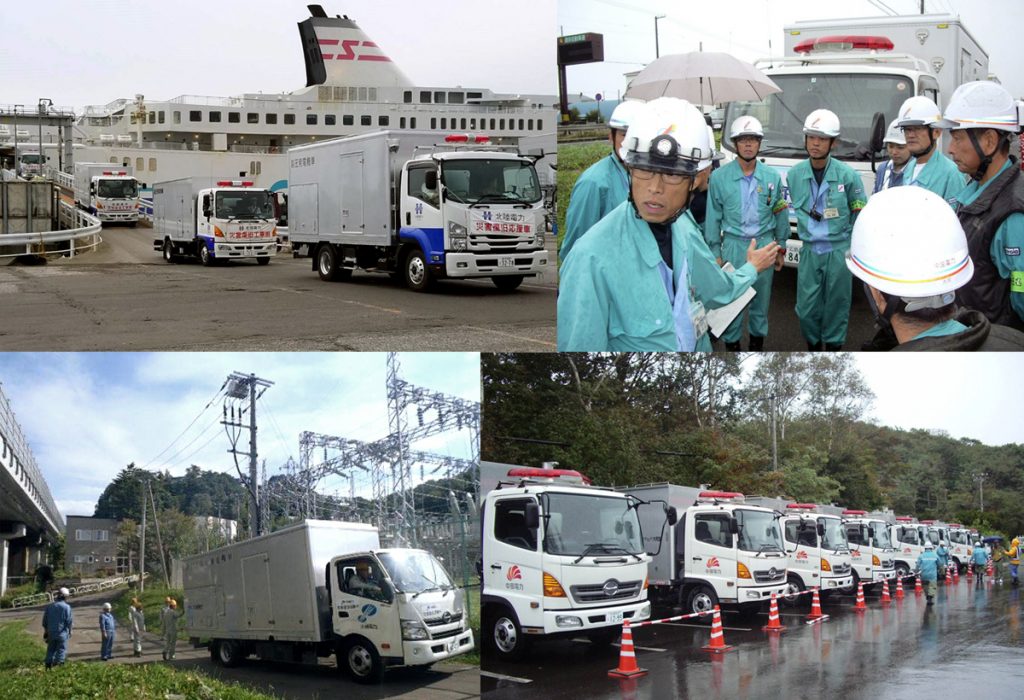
{"type": "Point", "coordinates": [701, 77]}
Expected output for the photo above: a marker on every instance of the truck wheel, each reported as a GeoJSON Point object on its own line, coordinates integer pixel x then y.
{"type": "Point", "coordinates": [793, 586]}
{"type": "Point", "coordinates": [606, 636]}
{"type": "Point", "coordinates": [262, 261]}
{"type": "Point", "coordinates": [504, 636]}
{"type": "Point", "coordinates": [328, 267]}
{"type": "Point", "coordinates": [901, 569]}
{"type": "Point", "coordinates": [702, 599]}
{"type": "Point", "coordinates": [362, 661]}
{"type": "Point", "coordinates": [204, 253]}
{"type": "Point", "coordinates": [507, 283]}
{"type": "Point", "coordinates": [228, 653]}
{"type": "Point", "coordinates": [417, 274]}
{"type": "Point", "coordinates": [852, 588]}
{"type": "Point", "coordinates": [169, 255]}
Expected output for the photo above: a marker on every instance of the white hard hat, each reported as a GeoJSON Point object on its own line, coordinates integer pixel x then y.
{"type": "Point", "coordinates": [746, 126]}
{"type": "Point", "coordinates": [928, 544]}
{"type": "Point", "coordinates": [106, 606]}
{"type": "Point", "coordinates": [895, 134]}
{"type": "Point", "coordinates": [908, 242]}
{"type": "Point", "coordinates": [64, 592]}
{"type": "Point", "coordinates": [822, 122]}
{"type": "Point", "coordinates": [981, 105]}
{"type": "Point", "coordinates": [668, 136]}
{"type": "Point", "coordinates": [624, 113]}
{"type": "Point", "coordinates": [919, 111]}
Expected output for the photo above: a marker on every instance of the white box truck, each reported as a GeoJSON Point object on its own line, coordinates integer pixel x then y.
{"type": "Point", "coordinates": [871, 551]}
{"type": "Point", "coordinates": [561, 558]}
{"type": "Point", "coordinates": [214, 220]}
{"type": "Point", "coordinates": [320, 588]}
{"type": "Point", "coordinates": [857, 68]}
{"type": "Point", "coordinates": [107, 191]}
{"type": "Point", "coordinates": [908, 537]}
{"type": "Point", "coordinates": [722, 549]}
{"type": "Point", "coordinates": [417, 205]}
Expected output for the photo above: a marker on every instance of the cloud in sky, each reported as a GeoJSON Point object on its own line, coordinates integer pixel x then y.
{"type": "Point", "coordinates": [86, 416]}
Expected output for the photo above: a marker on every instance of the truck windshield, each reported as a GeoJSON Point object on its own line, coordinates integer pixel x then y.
{"type": "Point", "coordinates": [933, 536]}
{"type": "Point", "coordinates": [759, 531]}
{"type": "Point", "coordinates": [31, 159]}
{"type": "Point", "coordinates": [577, 523]}
{"type": "Point", "coordinates": [854, 97]}
{"type": "Point", "coordinates": [880, 536]}
{"type": "Point", "coordinates": [117, 188]}
{"type": "Point", "coordinates": [907, 535]}
{"type": "Point", "coordinates": [243, 204]}
{"type": "Point", "coordinates": [835, 534]}
{"type": "Point", "coordinates": [958, 537]}
{"type": "Point", "coordinates": [486, 180]}
{"type": "Point", "coordinates": [414, 571]}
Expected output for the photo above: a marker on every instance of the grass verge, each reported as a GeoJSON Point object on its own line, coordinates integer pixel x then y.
{"type": "Point", "coordinates": [573, 159]}
{"type": "Point", "coordinates": [152, 603]}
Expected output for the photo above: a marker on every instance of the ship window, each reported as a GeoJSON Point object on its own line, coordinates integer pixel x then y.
{"type": "Point", "coordinates": [152, 165]}
{"type": "Point", "coordinates": [372, 94]}
{"type": "Point", "coordinates": [540, 125]}
{"type": "Point", "coordinates": [160, 117]}
{"type": "Point", "coordinates": [472, 123]}
{"type": "Point", "coordinates": [433, 122]}
{"type": "Point", "coordinates": [462, 123]}
{"type": "Point", "coordinates": [271, 118]}
{"type": "Point", "coordinates": [311, 119]}
{"type": "Point", "coordinates": [407, 97]}
{"type": "Point", "coordinates": [455, 98]}
{"type": "Point", "coordinates": [352, 92]}
{"type": "Point", "coordinates": [134, 119]}
{"type": "Point", "coordinates": [439, 98]}
{"type": "Point", "coordinates": [520, 124]}
{"type": "Point", "coordinates": [347, 119]}
{"type": "Point", "coordinates": [502, 122]}
{"type": "Point", "coordinates": [412, 122]}
{"type": "Point", "coordinates": [330, 119]}
{"type": "Point", "coordinates": [529, 124]}
{"type": "Point", "coordinates": [383, 120]}
{"type": "Point", "coordinates": [492, 123]}
{"type": "Point", "coordinates": [252, 167]}
{"type": "Point", "coordinates": [177, 117]}
{"type": "Point", "coordinates": [401, 122]}
{"type": "Point", "coordinates": [474, 95]}
{"type": "Point", "coordinates": [195, 115]}
{"type": "Point", "coordinates": [152, 117]}
{"type": "Point", "coordinates": [252, 118]}
{"type": "Point", "coordinates": [234, 117]}
{"type": "Point", "coordinates": [125, 162]}
{"type": "Point", "coordinates": [424, 97]}
{"type": "Point", "coordinates": [366, 120]}
{"type": "Point", "coordinates": [289, 119]}
{"type": "Point", "coordinates": [259, 167]}
{"type": "Point", "coordinates": [444, 123]}
{"type": "Point", "coordinates": [362, 94]}
{"type": "Point", "coordinates": [139, 163]}
{"type": "Point", "coordinates": [214, 116]}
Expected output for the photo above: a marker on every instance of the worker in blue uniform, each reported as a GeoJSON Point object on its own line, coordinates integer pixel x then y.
{"type": "Point", "coordinates": [643, 276]}
{"type": "Point", "coordinates": [601, 187]}
{"type": "Point", "coordinates": [745, 203]}
{"type": "Point", "coordinates": [826, 194]}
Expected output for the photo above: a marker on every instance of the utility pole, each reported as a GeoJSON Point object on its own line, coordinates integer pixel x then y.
{"type": "Point", "coordinates": [142, 543]}
{"type": "Point", "coordinates": [657, 53]}
{"type": "Point", "coordinates": [241, 387]}
{"type": "Point", "coordinates": [159, 541]}
{"type": "Point", "coordinates": [775, 438]}
{"type": "Point", "coordinates": [980, 478]}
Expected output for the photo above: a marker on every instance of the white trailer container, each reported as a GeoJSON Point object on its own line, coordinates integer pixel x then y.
{"type": "Point", "coordinates": [320, 588]}
{"type": "Point", "coordinates": [214, 220]}
{"type": "Point", "coordinates": [722, 549]}
{"type": "Point", "coordinates": [417, 206]}
{"type": "Point", "coordinates": [107, 191]}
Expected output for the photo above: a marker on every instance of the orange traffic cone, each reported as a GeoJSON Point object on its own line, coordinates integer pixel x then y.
{"type": "Point", "coordinates": [989, 571]}
{"type": "Point", "coordinates": [717, 644]}
{"type": "Point", "coordinates": [773, 617]}
{"type": "Point", "coordinates": [627, 657]}
{"type": "Point", "coordinates": [886, 599]}
{"type": "Point", "coordinates": [970, 569]}
{"type": "Point", "coordinates": [918, 590]}
{"type": "Point", "coordinates": [860, 606]}
{"type": "Point", "coordinates": [899, 589]}
{"type": "Point", "coordinates": [949, 576]}
{"type": "Point", "coordinates": [956, 573]}
{"type": "Point", "coordinates": [815, 613]}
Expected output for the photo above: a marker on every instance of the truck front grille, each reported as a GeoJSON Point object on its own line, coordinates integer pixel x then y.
{"type": "Point", "coordinates": [841, 569]}
{"type": "Point", "coordinates": [767, 575]}
{"type": "Point", "coordinates": [445, 635]}
{"type": "Point", "coordinates": [609, 590]}
{"type": "Point", "coordinates": [888, 563]}
{"type": "Point", "coordinates": [440, 621]}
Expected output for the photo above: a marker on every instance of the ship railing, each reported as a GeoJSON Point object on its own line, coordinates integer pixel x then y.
{"type": "Point", "coordinates": [82, 233]}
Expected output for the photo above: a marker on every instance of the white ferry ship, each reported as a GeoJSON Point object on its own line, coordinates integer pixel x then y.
{"type": "Point", "coordinates": [352, 87]}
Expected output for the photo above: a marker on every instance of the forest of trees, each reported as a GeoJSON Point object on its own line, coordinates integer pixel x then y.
{"type": "Point", "coordinates": [779, 424]}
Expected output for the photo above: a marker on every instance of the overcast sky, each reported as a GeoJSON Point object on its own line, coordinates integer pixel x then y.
{"type": "Point", "coordinates": [82, 53]}
{"type": "Point", "coordinates": [745, 27]}
{"type": "Point", "coordinates": [86, 416]}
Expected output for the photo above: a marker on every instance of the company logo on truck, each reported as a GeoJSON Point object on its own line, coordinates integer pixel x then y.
{"type": "Point", "coordinates": [502, 222]}
{"type": "Point", "coordinates": [801, 555]}
{"type": "Point", "coordinates": [514, 573]}
{"type": "Point", "coordinates": [366, 612]}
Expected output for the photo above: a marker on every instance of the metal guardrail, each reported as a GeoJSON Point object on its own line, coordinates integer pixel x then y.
{"type": "Point", "coordinates": [40, 598]}
{"type": "Point", "coordinates": [83, 232]}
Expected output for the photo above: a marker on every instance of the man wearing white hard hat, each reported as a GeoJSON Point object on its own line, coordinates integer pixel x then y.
{"type": "Point", "coordinates": [984, 119]}
{"type": "Point", "coordinates": [827, 194]}
{"type": "Point", "coordinates": [746, 203]}
{"type": "Point", "coordinates": [643, 275]}
{"type": "Point", "coordinates": [891, 172]}
{"type": "Point", "coordinates": [930, 168]}
{"type": "Point", "coordinates": [601, 187]}
{"type": "Point", "coordinates": [911, 253]}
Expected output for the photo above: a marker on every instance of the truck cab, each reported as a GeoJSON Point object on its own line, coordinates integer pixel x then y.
{"type": "Point", "coordinates": [818, 550]}
{"type": "Point", "coordinates": [871, 552]}
{"type": "Point", "coordinates": [960, 545]}
{"type": "Point", "coordinates": [908, 539]}
{"type": "Point", "coordinates": [108, 192]}
{"type": "Point", "coordinates": [560, 558]}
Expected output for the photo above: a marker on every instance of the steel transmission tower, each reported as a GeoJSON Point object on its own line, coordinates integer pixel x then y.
{"type": "Point", "coordinates": [239, 388]}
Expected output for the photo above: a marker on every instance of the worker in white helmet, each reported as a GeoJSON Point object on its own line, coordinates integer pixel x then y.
{"type": "Point", "coordinates": [601, 187]}
{"type": "Point", "coordinates": [746, 203]}
{"type": "Point", "coordinates": [911, 253]}
{"type": "Point", "coordinates": [985, 119]}
{"type": "Point", "coordinates": [826, 194]}
{"type": "Point", "coordinates": [930, 168]}
{"type": "Point", "coordinates": [643, 275]}
{"type": "Point", "coordinates": [891, 172]}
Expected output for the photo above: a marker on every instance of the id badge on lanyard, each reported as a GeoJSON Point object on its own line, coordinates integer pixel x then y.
{"type": "Point", "coordinates": [698, 317]}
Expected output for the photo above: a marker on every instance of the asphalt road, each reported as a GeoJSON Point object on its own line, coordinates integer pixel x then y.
{"type": "Point", "coordinates": [122, 296]}
{"type": "Point", "coordinates": [970, 642]}
{"type": "Point", "coordinates": [444, 681]}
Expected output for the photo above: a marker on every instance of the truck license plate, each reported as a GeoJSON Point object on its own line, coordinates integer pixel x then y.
{"type": "Point", "coordinates": [249, 252]}
{"type": "Point", "coordinates": [453, 645]}
{"type": "Point", "coordinates": [506, 262]}
{"type": "Point", "coordinates": [615, 618]}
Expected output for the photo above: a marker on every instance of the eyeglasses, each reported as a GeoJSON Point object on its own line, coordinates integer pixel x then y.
{"type": "Point", "coordinates": [667, 178]}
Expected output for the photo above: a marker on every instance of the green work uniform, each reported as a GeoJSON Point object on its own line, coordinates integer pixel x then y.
{"type": "Point", "coordinates": [741, 209]}
{"type": "Point", "coordinates": [939, 175]}
{"type": "Point", "coordinates": [599, 189]}
{"type": "Point", "coordinates": [824, 283]}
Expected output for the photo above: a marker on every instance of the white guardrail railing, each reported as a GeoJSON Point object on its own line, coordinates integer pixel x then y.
{"type": "Point", "coordinates": [83, 232]}
{"type": "Point", "coordinates": [40, 598]}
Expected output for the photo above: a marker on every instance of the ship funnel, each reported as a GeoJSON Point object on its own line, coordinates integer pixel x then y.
{"type": "Point", "coordinates": [337, 52]}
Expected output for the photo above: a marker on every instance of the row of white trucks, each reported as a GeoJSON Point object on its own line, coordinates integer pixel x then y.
{"type": "Point", "coordinates": [562, 557]}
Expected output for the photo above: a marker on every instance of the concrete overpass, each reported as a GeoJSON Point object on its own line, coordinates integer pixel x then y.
{"type": "Point", "coordinates": [29, 519]}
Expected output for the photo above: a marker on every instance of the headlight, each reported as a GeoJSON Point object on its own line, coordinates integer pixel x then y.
{"type": "Point", "coordinates": [413, 630]}
{"type": "Point", "coordinates": [457, 235]}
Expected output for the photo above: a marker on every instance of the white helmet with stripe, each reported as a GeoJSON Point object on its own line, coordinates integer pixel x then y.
{"type": "Point", "coordinates": [746, 126]}
{"type": "Point", "coordinates": [624, 114]}
{"type": "Point", "coordinates": [982, 105]}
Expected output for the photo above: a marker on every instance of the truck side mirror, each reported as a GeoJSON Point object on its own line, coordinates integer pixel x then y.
{"type": "Point", "coordinates": [431, 180]}
{"type": "Point", "coordinates": [532, 516]}
{"type": "Point", "coordinates": [821, 529]}
{"type": "Point", "coordinates": [672, 515]}
{"type": "Point", "coordinates": [206, 206]}
{"type": "Point", "coordinates": [734, 526]}
{"type": "Point", "coordinates": [92, 188]}
{"type": "Point", "coordinates": [877, 142]}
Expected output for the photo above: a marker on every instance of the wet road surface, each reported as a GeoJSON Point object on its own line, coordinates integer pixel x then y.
{"type": "Point", "coordinates": [969, 642]}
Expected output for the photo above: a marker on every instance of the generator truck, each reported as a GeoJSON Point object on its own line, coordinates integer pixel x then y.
{"type": "Point", "coordinates": [871, 551]}
{"type": "Point", "coordinates": [108, 192]}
